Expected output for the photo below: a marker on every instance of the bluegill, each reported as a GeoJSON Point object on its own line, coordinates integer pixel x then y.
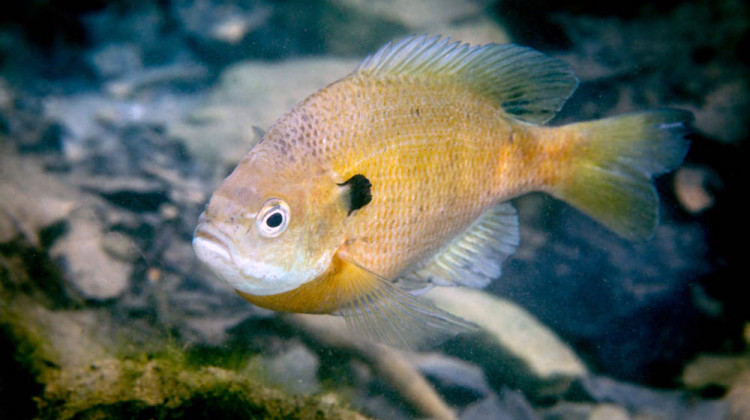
{"type": "Point", "coordinates": [397, 178]}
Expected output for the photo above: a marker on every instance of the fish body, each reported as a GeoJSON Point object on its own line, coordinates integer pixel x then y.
{"type": "Point", "coordinates": [397, 178]}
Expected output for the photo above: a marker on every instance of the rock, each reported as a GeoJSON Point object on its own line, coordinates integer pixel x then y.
{"type": "Point", "coordinates": [88, 267]}
{"type": "Point", "coordinates": [608, 412]}
{"type": "Point", "coordinates": [295, 370]}
{"type": "Point", "coordinates": [727, 372]}
{"type": "Point", "coordinates": [252, 94]}
{"type": "Point", "coordinates": [566, 410]}
{"type": "Point", "coordinates": [458, 381]}
{"type": "Point", "coordinates": [207, 330]}
{"type": "Point", "coordinates": [120, 246]}
{"type": "Point", "coordinates": [692, 188]}
{"type": "Point", "coordinates": [136, 194]}
{"type": "Point", "coordinates": [55, 339]}
{"type": "Point", "coordinates": [389, 364]}
{"type": "Point", "coordinates": [719, 116]}
{"type": "Point", "coordinates": [369, 24]}
{"type": "Point", "coordinates": [520, 350]}
{"type": "Point", "coordinates": [30, 200]}
{"type": "Point", "coordinates": [179, 75]}
{"type": "Point", "coordinates": [166, 389]}
{"type": "Point", "coordinates": [509, 405]}
{"type": "Point", "coordinates": [114, 60]}
{"type": "Point", "coordinates": [641, 401]}
{"type": "Point", "coordinates": [418, 14]}
{"type": "Point", "coordinates": [217, 32]}
{"type": "Point", "coordinates": [714, 370]}
{"type": "Point", "coordinates": [73, 357]}
{"type": "Point", "coordinates": [121, 137]}
{"type": "Point", "coordinates": [739, 397]}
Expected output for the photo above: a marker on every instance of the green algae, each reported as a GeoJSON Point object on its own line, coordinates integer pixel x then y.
{"type": "Point", "coordinates": [77, 363]}
{"type": "Point", "coordinates": [161, 389]}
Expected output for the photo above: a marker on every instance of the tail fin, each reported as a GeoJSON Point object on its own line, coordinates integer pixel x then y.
{"type": "Point", "coordinates": [612, 180]}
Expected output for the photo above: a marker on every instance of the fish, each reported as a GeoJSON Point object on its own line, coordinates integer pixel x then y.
{"type": "Point", "coordinates": [397, 178]}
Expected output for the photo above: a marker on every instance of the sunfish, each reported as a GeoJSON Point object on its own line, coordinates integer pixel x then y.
{"type": "Point", "coordinates": [397, 178]}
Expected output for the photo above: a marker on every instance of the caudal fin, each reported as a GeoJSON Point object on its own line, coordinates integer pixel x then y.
{"type": "Point", "coordinates": [612, 181]}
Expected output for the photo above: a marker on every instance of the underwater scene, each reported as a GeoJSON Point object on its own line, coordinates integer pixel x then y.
{"type": "Point", "coordinates": [348, 209]}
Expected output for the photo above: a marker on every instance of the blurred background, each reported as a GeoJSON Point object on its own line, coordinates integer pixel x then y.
{"type": "Point", "coordinates": [119, 118]}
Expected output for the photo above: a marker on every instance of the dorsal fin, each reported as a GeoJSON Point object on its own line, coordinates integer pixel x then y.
{"type": "Point", "coordinates": [527, 84]}
{"type": "Point", "coordinates": [474, 258]}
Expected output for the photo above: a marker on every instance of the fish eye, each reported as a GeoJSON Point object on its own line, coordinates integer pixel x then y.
{"type": "Point", "coordinates": [273, 218]}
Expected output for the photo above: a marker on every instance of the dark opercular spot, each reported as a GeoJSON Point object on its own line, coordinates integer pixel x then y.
{"type": "Point", "coordinates": [274, 220]}
{"type": "Point", "coordinates": [357, 191]}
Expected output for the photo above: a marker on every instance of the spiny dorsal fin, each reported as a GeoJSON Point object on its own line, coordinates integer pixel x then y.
{"type": "Point", "coordinates": [358, 192]}
{"type": "Point", "coordinates": [527, 84]}
{"type": "Point", "coordinates": [474, 258]}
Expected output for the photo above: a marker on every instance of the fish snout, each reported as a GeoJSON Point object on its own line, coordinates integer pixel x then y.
{"type": "Point", "coordinates": [211, 245]}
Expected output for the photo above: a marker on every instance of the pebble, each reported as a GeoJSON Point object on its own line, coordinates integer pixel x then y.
{"type": "Point", "coordinates": [690, 187]}
{"type": "Point", "coordinates": [296, 370]}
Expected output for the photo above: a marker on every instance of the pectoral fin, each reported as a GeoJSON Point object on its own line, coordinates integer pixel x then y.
{"type": "Point", "coordinates": [474, 258]}
{"type": "Point", "coordinates": [380, 311]}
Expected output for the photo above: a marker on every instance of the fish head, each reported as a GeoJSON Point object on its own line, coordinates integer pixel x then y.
{"type": "Point", "coordinates": [270, 228]}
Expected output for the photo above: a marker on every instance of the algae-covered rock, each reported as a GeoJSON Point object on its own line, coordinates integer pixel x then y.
{"type": "Point", "coordinates": [83, 378]}
{"type": "Point", "coordinates": [160, 388]}
{"type": "Point", "coordinates": [82, 363]}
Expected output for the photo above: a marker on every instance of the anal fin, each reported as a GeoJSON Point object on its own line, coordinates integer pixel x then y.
{"type": "Point", "coordinates": [380, 311]}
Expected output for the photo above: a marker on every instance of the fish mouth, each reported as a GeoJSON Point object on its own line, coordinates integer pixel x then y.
{"type": "Point", "coordinates": [216, 249]}
{"type": "Point", "coordinates": [210, 243]}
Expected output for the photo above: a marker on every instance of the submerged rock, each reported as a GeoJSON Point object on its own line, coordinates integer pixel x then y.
{"type": "Point", "coordinates": [252, 94]}
{"type": "Point", "coordinates": [92, 271]}
{"type": "Point", "coordinates": [459, 381]}
{"type": "Point", "coordinates": [646, 402]}
{"type": "Point", "coordinates": [295, 370]}
{"type": "Point", "coordinates": [516, 349]}
{"type": "Point", "coordinates": [27, 211]}
{"type": "Point", "coordinates": [510, 405]}
{"type": "Point", "coordinates": [88, 372]}
{"type": "Point", "coordinates": [739, 398]}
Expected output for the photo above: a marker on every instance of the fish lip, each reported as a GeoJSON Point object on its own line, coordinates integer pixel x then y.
{"type": "Point", "coordinates": [208, 239]}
